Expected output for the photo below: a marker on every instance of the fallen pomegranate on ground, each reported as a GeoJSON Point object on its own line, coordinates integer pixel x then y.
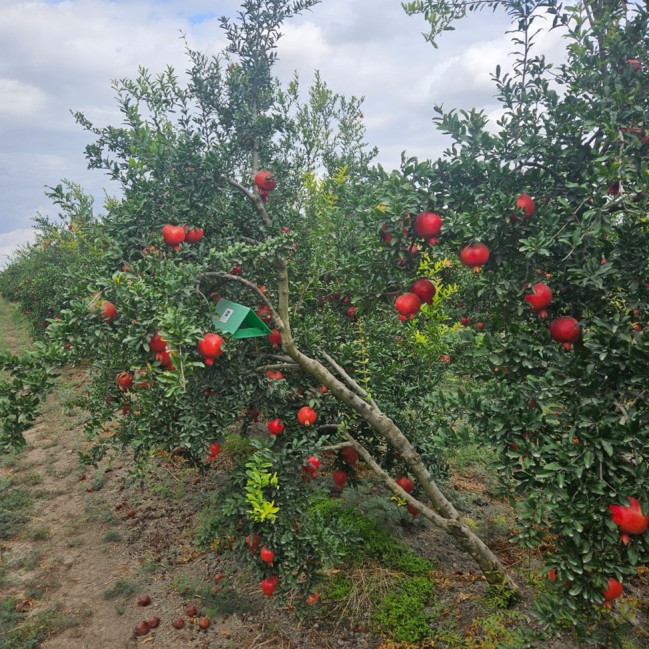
{"type": "Point", "coordinates": [142, 628]}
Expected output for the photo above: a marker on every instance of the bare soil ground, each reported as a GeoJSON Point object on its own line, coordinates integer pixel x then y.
{"type": "Point", "coordinates": [96, 541]}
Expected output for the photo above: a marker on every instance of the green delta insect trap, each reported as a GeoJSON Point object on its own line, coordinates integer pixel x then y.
{"type": "Point", "coordinates": [238, 320]}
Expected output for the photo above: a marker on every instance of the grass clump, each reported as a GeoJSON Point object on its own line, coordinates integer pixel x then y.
{"type": "Point", "coordinates": [14, 504]}
{"type": "Point", "coordinates": [402, 614]}
{"type": "Point", "coordinates": [373, 540]}
{"type": "Point", "coordinates": [121, 588]}
{"type": "Point", "coordinates": [112, 536]}
{"type": "Point", "coordinates": [21, 631]}
{"type": "Point", "coordinates": [221, 600]}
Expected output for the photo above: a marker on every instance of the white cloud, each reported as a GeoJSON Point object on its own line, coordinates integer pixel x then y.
{"type": "Point", "coordinates": [12, 240]}
{"type": "Point", "coordinates": [20, 99]}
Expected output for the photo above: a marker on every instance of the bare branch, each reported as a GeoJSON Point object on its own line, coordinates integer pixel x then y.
{"type": "Point", "coordinates": [246, 282]}
{"type": "Point", "coordinates": [431, 515]}
{"type": "Point", "coordinates": [275, 357]}
{"type": "Point", "coordinates": [625, 413]}
{"type": "Point", "coordinates": [277, 366]}
{"type": "Point", "coordinates": [255, 198]}
{"type": "Point", "coordinates": [348, 379]}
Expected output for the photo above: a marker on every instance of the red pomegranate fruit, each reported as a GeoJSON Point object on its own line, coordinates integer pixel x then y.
{"type": "Point", "coordinates": [194, 235]}
{"type": "Point", "coordinates": [474, 256]}
{"type": "Point", "coordinates": [629, 518]}
{"type": "Point", "coordinates": [268, 585]}
{"type": "Point", "coordinates": [428, 224]}
{"type": "Point", "coordinates": [275, 338]}
{"type": "Point", "coordinates": [124, 380]}
{"type": "Point", "coordinates": [142, 628]}
{"type": "Point", "coordinates": [275, 427]}
{"type": "Point", "coordinates": [408, 304]}
{"type": "Point", "coordinates": [413, 511]}
{"type": "Point", "coordinates": [350, 454]}
{"type": "Point", "coordinates": [108, 311]}
{"type": "Point", "coordinates": [340, 478]}
{"type": "Point", "coordinates": [539, 299]}
{"type": "Point", "coordinates": [265, 181]}
{"type": "Point", "coordinates": [267, 555]}
{"type": "Point", "coordinates": [525, 202]}
{"type": "Point", "coordinates": [173, 235]}
{"type": "Point", "coordinates": [306, 416]}
{"type": "Point", "coordinates": [424, 289]}
{"type": "Point", "coordinates": [405, 483]}
{"type": "Point", "coordinates": [157, 344]}
{"type": "Point", "coordinates": [614, 589]}
{"type": "Point", "coordinates": [209, 347]}
{"type": "Point", "coordinates": [565, 330]}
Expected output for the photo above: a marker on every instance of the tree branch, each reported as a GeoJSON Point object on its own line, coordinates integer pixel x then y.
{"type": "Point", "coordinates": [348, 379]}
{"type": "Point", "coordinates": [255, 198]}
{"type": "Point", "coordinates": [242, 280]}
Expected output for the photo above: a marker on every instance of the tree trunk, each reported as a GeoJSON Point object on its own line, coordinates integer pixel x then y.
{"type": "Point", "coordinates": [441, 512]}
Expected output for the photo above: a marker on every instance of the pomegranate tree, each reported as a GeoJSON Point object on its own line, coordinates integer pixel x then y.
{"type": "Point", "coordinates": [568, 429]}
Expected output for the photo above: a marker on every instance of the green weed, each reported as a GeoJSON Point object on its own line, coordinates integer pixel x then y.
{"type": "Point", "coordinates": [112, 536]}
{"type": "Point", "coordinates": [21, 631]}
{"type": "Point", "coordinates": [402, 614]}
{"type": "Point", "coordinates": [14, 505]}
{"type": "Point", "coordinates": [39, 533]}
{"type": "Point", "coordinates": [121, 588]}
{"type": "Point", "coordinates": [374, 542]}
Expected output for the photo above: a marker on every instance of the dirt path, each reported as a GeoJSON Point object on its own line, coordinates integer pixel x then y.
{"type": "Point", "coordinates": [87, 544]}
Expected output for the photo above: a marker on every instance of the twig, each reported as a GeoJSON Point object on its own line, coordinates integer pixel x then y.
{"type": "Point", "coordinates": [277, 366]}
{"type": "Point", "coordinates": [349, 380]}
{"type": "Point", "coordinates": [170, 473]}
{"type": "Point", "coordinates": [259, 204]}
{"type": "Point", "coordinates": [246, 282]}
{"type": "Point", "coordinates": [625, 413]}
{"type": "Point", "coordinates": [431, 515]}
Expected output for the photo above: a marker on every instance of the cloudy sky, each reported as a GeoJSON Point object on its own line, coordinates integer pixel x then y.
{"type": "Point", "coordinates": [58, 56]}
